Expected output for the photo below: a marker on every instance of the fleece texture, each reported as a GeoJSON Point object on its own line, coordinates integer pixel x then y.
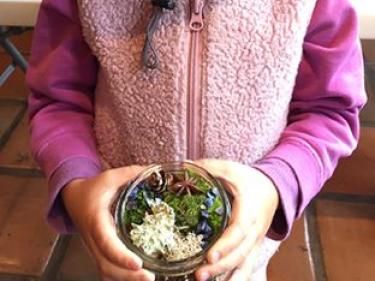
{"type": "Point", "coordinates": [250, 57]}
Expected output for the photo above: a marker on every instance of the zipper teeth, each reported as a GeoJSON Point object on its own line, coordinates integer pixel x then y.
{"type": "Point", "coordinates": [196, 24]}
{"type": "Point", "coordinates": [194, 98]}
{"type": "Point", "coordinates": [191, 117]}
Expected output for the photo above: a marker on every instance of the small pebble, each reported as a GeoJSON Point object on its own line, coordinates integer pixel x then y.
{"type": "Point", "coordinates": [141, 185]}
{"type": "Point", "coordinates": [159, 195]}
{"type": "Point", "coordinates": [133, 193]}
{"type": "Point", "coordinates": [219, 211]}
{"type": "Point", "coordinates": [206, 236]}
{"type": "Point", "coordinates": [209, 202]}
{"type": "Point", "coordinates": [210, 194]}
{"type": "Point", "coordinates": [201, 225]}
{"type": "Point", "coordinates": [204, 242]}
{"type": "Point", "coordinates": [149, 200]}
{"type": "Point", "coordinates": [203, 228]}
{"type": "Point", "coordinates": [131, 205]}
{"type": "Point", "coordinates": [215, 191]}
{"type": "Point", "coordinates": [204, 214]}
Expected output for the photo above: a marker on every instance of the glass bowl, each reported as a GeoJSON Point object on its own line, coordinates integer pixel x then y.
{"type": "Point", "coordinates": [170, 216]}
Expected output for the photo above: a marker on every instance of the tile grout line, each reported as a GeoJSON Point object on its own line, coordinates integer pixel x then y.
{"type": "Point", "coordinates": [347, 198]}
{"type": "Point", "coordinates": [369, 72]}
{"type": "Point", "coordinates": [10, 169]}
{"type": "Point", "coordinates": [7, 170]}
{"type": "Point", "coordinates": [370, 79]}
{"type": "Point", "coordinates": [10, 210]}
{"type": "Point", "coordinates": [16, 277]}
{"type": "Point", "coordinates": [367, 124]}
{"type": "Point", "coordinates": [8, 132]}
{"type": "Point", "coordinates": [15, 100]}
{"type": "Point", "coordinates": [56, 258]}
{"type": "Point", "coordinates": [313, 240]}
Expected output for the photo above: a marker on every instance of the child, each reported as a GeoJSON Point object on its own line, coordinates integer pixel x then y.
{"type": "Point", "coordinates": [264, 93]}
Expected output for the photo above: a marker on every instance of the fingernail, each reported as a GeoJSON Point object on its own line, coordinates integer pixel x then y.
{"type": "Point", "coordinates": [204, 276]}
{"type": "Point", "coordinates": [238, 276]}
{"type": "Point", "coordinates": [135, 264]}
{"type": "Point", "coordinates": [215, 256]}
{"type": "Point", "coordinates": [149, 276]}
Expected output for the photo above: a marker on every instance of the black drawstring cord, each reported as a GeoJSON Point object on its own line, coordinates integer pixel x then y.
{"type": "Point", "coordinates": [166, 4]}
{"type": "Point", "coordinates": [149, 56]}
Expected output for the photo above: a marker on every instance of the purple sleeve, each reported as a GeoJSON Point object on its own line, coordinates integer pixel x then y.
{"type": "Point", "coordinates": [61, 78]}
{"type": "Point", "coordinates": [323, 123]}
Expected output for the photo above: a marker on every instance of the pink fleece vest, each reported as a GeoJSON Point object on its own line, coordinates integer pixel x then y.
{"type": "Point", "coordinates": [222, 92]}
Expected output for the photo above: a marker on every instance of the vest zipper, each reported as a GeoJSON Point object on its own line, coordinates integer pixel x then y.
{"type": "Point", "coordinates": [194, 80]}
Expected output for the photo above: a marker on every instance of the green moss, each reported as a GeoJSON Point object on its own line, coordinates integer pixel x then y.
{"type": "Point", "coordinates": [215, 219]}
{"type": "Point", "coordinates": [187, 208]}
{"type": "Point", "coordinates": [137, 214]}
{"type": "Point", "coordinates": [134, 216]}
{"type": "Point", "coordinates": [201, 183]}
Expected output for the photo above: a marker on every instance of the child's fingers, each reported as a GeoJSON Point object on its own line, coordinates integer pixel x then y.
{"type": "Point", "coordinates": [215, 167]}
{"type": "Point", "coordinates": [108, 243]}
{"type": "Point", "coordinates": [230, 261]}
{"type": "Point", "coordinates": [104, 232]}
{"type": "Point", "coordinates": [243, 272]}
{"type": "Point", "coordinates": [238, 228]}
{"type": "Point", "coordinates": [232, 237]}
{"type": "Point", "coordinates": [113, 272]}
{"type": "Point", "coordinates": [119, 176]}
{"type": "Point", "coordinates": [223, 170]}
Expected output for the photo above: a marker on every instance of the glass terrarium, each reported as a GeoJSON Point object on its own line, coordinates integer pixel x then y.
{"type": "Point", "coordinates": [170, 215]}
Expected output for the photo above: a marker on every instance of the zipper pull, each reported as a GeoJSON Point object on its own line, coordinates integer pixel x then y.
{"type": "Point", "coordinates": [196, 18]}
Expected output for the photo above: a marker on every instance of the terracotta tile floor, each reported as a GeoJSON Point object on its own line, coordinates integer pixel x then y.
{"type": "Point", "coordinates": [347, 232]}
{"type": "Point", "coordinates": [15, 153]}
{"type": "Point", "coordinates": [77, 264]}
{"type": "Point", "coordinates": [339, 240]}
{"type": "Point", "coordinates": [26, 242]}
{"type": "Point", "coordinates": [292, 262]}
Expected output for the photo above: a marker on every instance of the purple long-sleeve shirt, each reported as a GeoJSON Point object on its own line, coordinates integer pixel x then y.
{"type": "Point", "coordinates": [323, 122]}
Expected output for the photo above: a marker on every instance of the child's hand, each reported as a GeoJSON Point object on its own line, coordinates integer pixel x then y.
{"type": "Point", "coordinates": [255, 200]}
{"type": "Point", "coordinates": [88, 202]}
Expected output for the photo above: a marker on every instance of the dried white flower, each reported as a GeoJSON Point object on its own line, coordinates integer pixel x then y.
{"type": "Point", "coordinates": [159, 235]}
{"type": "Point", "coordinates": [185, 247]}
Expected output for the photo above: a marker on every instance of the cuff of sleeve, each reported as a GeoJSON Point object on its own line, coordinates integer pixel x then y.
{"type": "Point", "coordinates": [54, 152]}
{"type": "Point", "coordinates": [284, 179]}
{"type": "Point", "coordinates": [295, 169]}
{"type": "Point", "coordinates": [74, 168]}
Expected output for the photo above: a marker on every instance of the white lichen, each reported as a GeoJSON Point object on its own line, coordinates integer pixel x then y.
{"type": "Point", "coordinates": [158, 235]}
{"type": "Point", "coordinates": [184, 247]}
